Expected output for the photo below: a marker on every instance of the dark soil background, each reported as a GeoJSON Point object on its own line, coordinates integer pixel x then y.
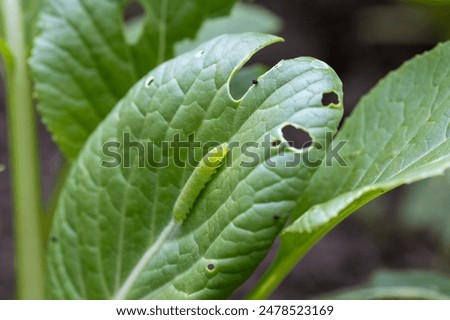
{"type": "Point", "coordinates": [362, 41]}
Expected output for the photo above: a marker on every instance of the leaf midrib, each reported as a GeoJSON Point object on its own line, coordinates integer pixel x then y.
{"type": "Point", "coordinates": [149, 254]}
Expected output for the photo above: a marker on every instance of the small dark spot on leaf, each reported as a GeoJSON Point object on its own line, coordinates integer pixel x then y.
{"type": "Point", "coordinates": [211, 267]}
{"type": "Point", "coordinates": [54, 239]}
{"type": "Point", "coordinates": [200, 53]}
{"type": "Point", "coordinates": [276, 217]}
{"type": "Point", "coordinates": [255, 81]}
{"type": "Point", "coordinates": [330, 98]}
{"type": "Point", "coordinates": [149, 81]}
{"type": "Point", "coordinates": [276, 143]}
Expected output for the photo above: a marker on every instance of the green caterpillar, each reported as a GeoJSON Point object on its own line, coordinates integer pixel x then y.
{"type": "Point", "coordinates": [198, 180]}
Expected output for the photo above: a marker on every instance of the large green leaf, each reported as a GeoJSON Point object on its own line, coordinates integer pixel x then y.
{"type": "Point", "coordinates": [114, 233]}
{"type": "Point", "coordinates": [390, 285]}
{"type": "Point", "coordinates": [399, 133]}
{"type": "Point", "coordinates": [82, 63]}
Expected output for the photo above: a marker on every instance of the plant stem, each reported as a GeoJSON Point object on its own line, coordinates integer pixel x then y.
{"type": "Point", "coordinates": [24, 160]}
{"type": "Point", "coordinates": [273, 277]}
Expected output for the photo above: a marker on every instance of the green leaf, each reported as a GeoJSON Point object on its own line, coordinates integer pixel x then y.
{"type": "Point", "coordinates": [115, 234]}
{"type": "Point", "coordinates": [82, 63]}
{"type": "Point", "coordinates": [384, 284]}
{"type": "Point", "coordinates": [243, 18]}
{"type": "Point", "coordinates": [32, 10]}
{"type": "Point", "coordinates": [398, 133]}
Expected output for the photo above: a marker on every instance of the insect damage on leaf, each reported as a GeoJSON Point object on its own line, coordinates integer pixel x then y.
{"type": "Point", "coordinates": [149, 81]}
{"type": "Point", "coordinates": [330, 98]}
{"type": "Point", "coordinates": [197, 181]}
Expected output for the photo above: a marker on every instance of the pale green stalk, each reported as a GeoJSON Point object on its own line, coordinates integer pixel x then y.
{"type": "Point", "coordinates": [24, 160]}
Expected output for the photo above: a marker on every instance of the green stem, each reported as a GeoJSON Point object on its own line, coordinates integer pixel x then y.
{"type": "Point", "coordinates": [24, 159]}
{"type": "Point", "coordinates": [272, 279]}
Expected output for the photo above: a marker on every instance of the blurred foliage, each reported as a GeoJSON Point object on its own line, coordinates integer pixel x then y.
{"type": "Point", "coordinates": [244, 17]}
{"type": "Point", "coordinates": [395, 24]}
{"type": "Point", "coordinates": [6, 56]}
{"type": "Point", "coordinates": [405, 22]}
{"type": "Point", "coordinates": [426, 206]}
{"type": "Point", "coordinates": [385, 284]}
{"type": "Point", "coordinates": [439, 11]}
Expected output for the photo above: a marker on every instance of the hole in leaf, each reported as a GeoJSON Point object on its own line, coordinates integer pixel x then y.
{"type": "Point", "coordinates": [149, 81]}
{"type": "Point", "coordinates": [260, 62]}
{"type": "Point", "coordinates": [133, 16]}
{"type": "Point", "coordinates": [330, 98]}
{"type": "Point", "coordinates": [276, 143]}
{"type": "Point", "coordinates": [244, 79]}
{"type": "Point", "coordinates": [296, 138]}
{"type": "Point", "coordinates": [210, 267]}
{"type": "Point", "coordinates": [133, 9]}
{"type": "Point", "coordinates": [276, 217]}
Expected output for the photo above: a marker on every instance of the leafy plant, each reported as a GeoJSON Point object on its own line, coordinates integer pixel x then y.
{"type": "Point", "coordinates": [386, 284]}
{"type": "Point", "coordinates": [128, 228]}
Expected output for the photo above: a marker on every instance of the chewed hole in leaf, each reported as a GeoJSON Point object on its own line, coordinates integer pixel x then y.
{"type": "Point", "coordinates": [297, 138]}
{"type": "Point", "coordinates": [133, 9]}
{"type": "Point", "coordinates": [246, 78]}
{"type": "Point", "coordinates": [329, 98]}
{"type": "Point", "coordinates": [133, 16]}
{"type": "Point", "coordinates": [149, 81]}
{"type": "Point", "coordinates": [211, 267]}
